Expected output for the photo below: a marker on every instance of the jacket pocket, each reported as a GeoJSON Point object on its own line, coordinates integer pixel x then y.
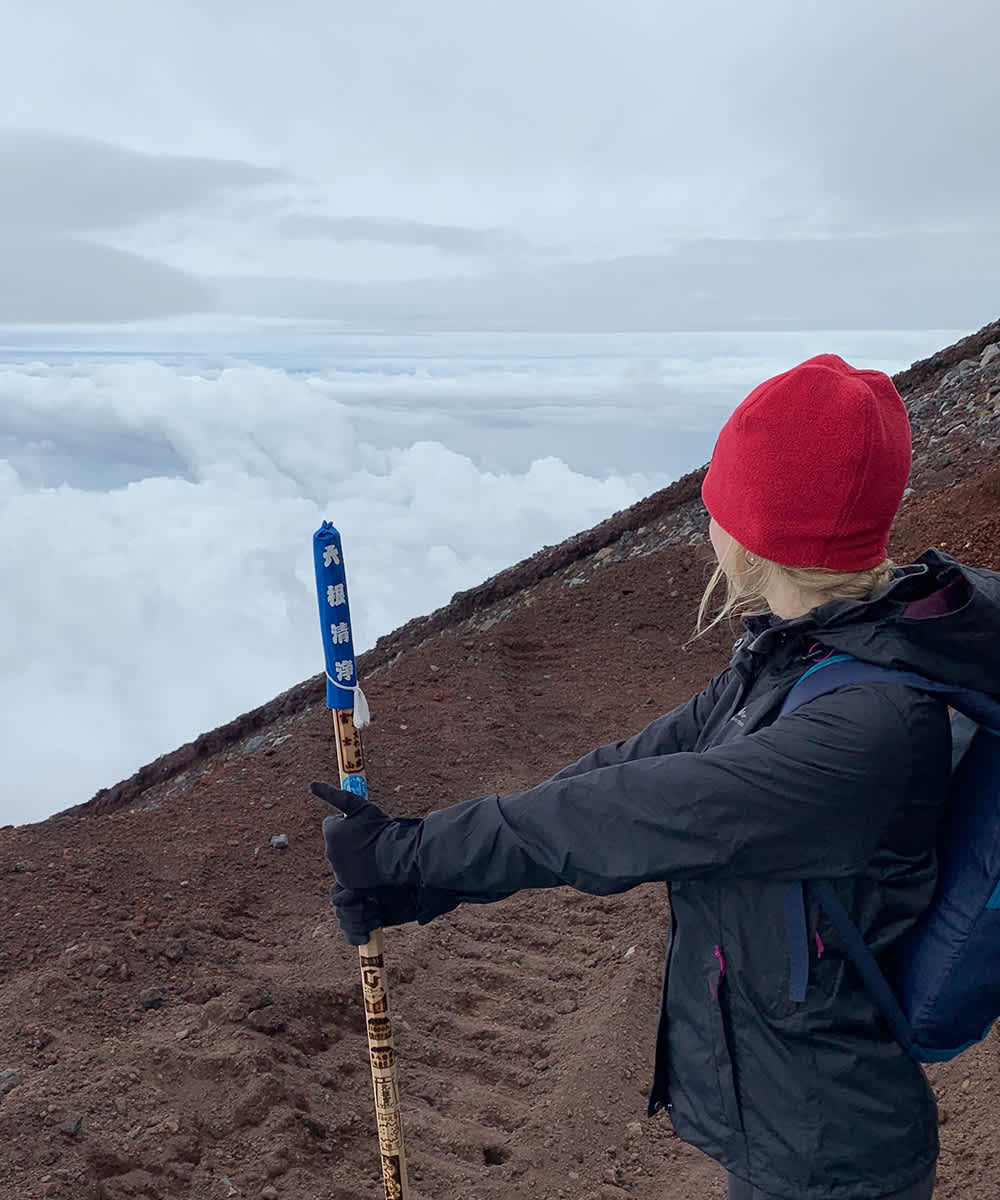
{"type": "Point", "coordinates": [721, 1043]}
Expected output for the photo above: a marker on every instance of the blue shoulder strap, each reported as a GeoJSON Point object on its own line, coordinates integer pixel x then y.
{"type": "Point", "coordinates": [842, 669]}
{"type": "Point", "coordinates": [838, 671]}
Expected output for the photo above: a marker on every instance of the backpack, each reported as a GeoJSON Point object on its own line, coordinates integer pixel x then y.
{"type": "Point", "coordinates": [941, 992]}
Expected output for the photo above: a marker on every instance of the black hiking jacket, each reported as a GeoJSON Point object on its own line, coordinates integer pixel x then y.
{"type": "Point", "coordinates": [810, 1100]}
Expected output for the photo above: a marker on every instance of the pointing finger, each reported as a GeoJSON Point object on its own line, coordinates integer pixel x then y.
{"type": "Point", "coordinates": [346, 802]}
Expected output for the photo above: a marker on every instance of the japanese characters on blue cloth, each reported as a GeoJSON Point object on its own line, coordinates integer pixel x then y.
{"type": "Point", "coordinates": [342, 690]}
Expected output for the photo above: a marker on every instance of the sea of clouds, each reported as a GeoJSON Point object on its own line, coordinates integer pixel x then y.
{"type": "Point", "coordinates": [159, 490]}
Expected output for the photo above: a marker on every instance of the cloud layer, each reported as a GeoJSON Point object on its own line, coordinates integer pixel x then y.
{"type": "Point", "coordinates": [156, 520]}
{"type": "Point", "coordinates": [452, 239]}
{"type": "Point", "coordinates": [56, 183]}
{"type": "Point", "coordinates": [915, 281]}
{"type": "Point", "coordinates": [169, 585]}
{"type": "Point", "coordinates": [54, 280]}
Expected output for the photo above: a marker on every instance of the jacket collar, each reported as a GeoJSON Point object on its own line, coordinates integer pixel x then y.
{"type": "Point", "coordinates": [936, 616]}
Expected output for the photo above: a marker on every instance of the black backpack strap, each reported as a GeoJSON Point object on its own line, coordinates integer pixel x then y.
{"type": "Point", "coordinates": [865, 962]}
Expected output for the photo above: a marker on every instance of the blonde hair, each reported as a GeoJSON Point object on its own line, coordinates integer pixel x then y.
{"type": "Point", "coordinates": [746, 589]}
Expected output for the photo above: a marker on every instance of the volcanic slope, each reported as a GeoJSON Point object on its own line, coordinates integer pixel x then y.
{"type": "Point", "coordinates": [179, 1016]}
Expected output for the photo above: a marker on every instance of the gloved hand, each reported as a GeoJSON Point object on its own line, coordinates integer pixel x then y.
{"type": "Point", "coordinates": [359, 912]}
{"type": "Point", "coordinates": [374, 858]}
{"type": "Point", "coordinates": [367, 849]}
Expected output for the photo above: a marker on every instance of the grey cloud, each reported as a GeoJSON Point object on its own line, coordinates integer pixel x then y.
{"type": "Point", "coordinates": [906, 282]}
{"type": "Point", "coordinates": [52, 280]}
{"type": "Point", "coordinates": [734, 118]}
{"type": "Point", "coordinates": [86, 458]}
{"type": "Point", "coordinates": [59, 183]}
{"type": "Point", "coordinates": [452, 239]}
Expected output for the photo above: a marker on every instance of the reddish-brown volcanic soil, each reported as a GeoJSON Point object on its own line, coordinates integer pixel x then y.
{"type": "Point", "coordinates": [179, 1016]}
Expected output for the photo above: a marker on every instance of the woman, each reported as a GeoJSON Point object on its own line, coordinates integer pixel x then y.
{"type": "Point", "coordinates": [802, 1099]}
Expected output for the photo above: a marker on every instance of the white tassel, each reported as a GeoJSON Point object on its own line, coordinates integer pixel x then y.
{"type": "Point", "coordinates": [362, 715]}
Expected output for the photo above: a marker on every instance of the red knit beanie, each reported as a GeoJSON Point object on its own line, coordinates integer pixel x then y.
{"type": "Point", "coordinates": [810, 468]}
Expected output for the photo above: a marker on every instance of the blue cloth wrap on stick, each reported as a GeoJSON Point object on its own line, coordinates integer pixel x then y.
{"type": "Point", "coordinates": [334, 617]}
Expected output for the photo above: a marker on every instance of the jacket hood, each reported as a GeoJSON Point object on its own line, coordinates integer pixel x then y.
{"type": "Point", "coordinates": [936, 616]}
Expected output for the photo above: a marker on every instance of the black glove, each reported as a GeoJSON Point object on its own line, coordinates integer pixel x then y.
{"type": "Point", "coordinates": [367, 849]}
{"type": "Point", "coordinates": [374, 859]}
{"type": "Point", "coordinates": [359, 912]}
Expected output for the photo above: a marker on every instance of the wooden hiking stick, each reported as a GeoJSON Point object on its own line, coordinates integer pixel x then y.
{"type": "Point", "coordinates": [350, 760]}
{"type": "Point", "coordinates": [350, 713]}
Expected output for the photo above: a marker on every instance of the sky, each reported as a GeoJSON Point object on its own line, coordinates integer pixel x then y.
{"type": "Point", "coordinates": [549, 165]}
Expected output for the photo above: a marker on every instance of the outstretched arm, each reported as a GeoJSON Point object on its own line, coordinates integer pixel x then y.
{"type": "Point", "coordinates": [674, 732]}
{"type": "Point", "coordinates": [807, 797]}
